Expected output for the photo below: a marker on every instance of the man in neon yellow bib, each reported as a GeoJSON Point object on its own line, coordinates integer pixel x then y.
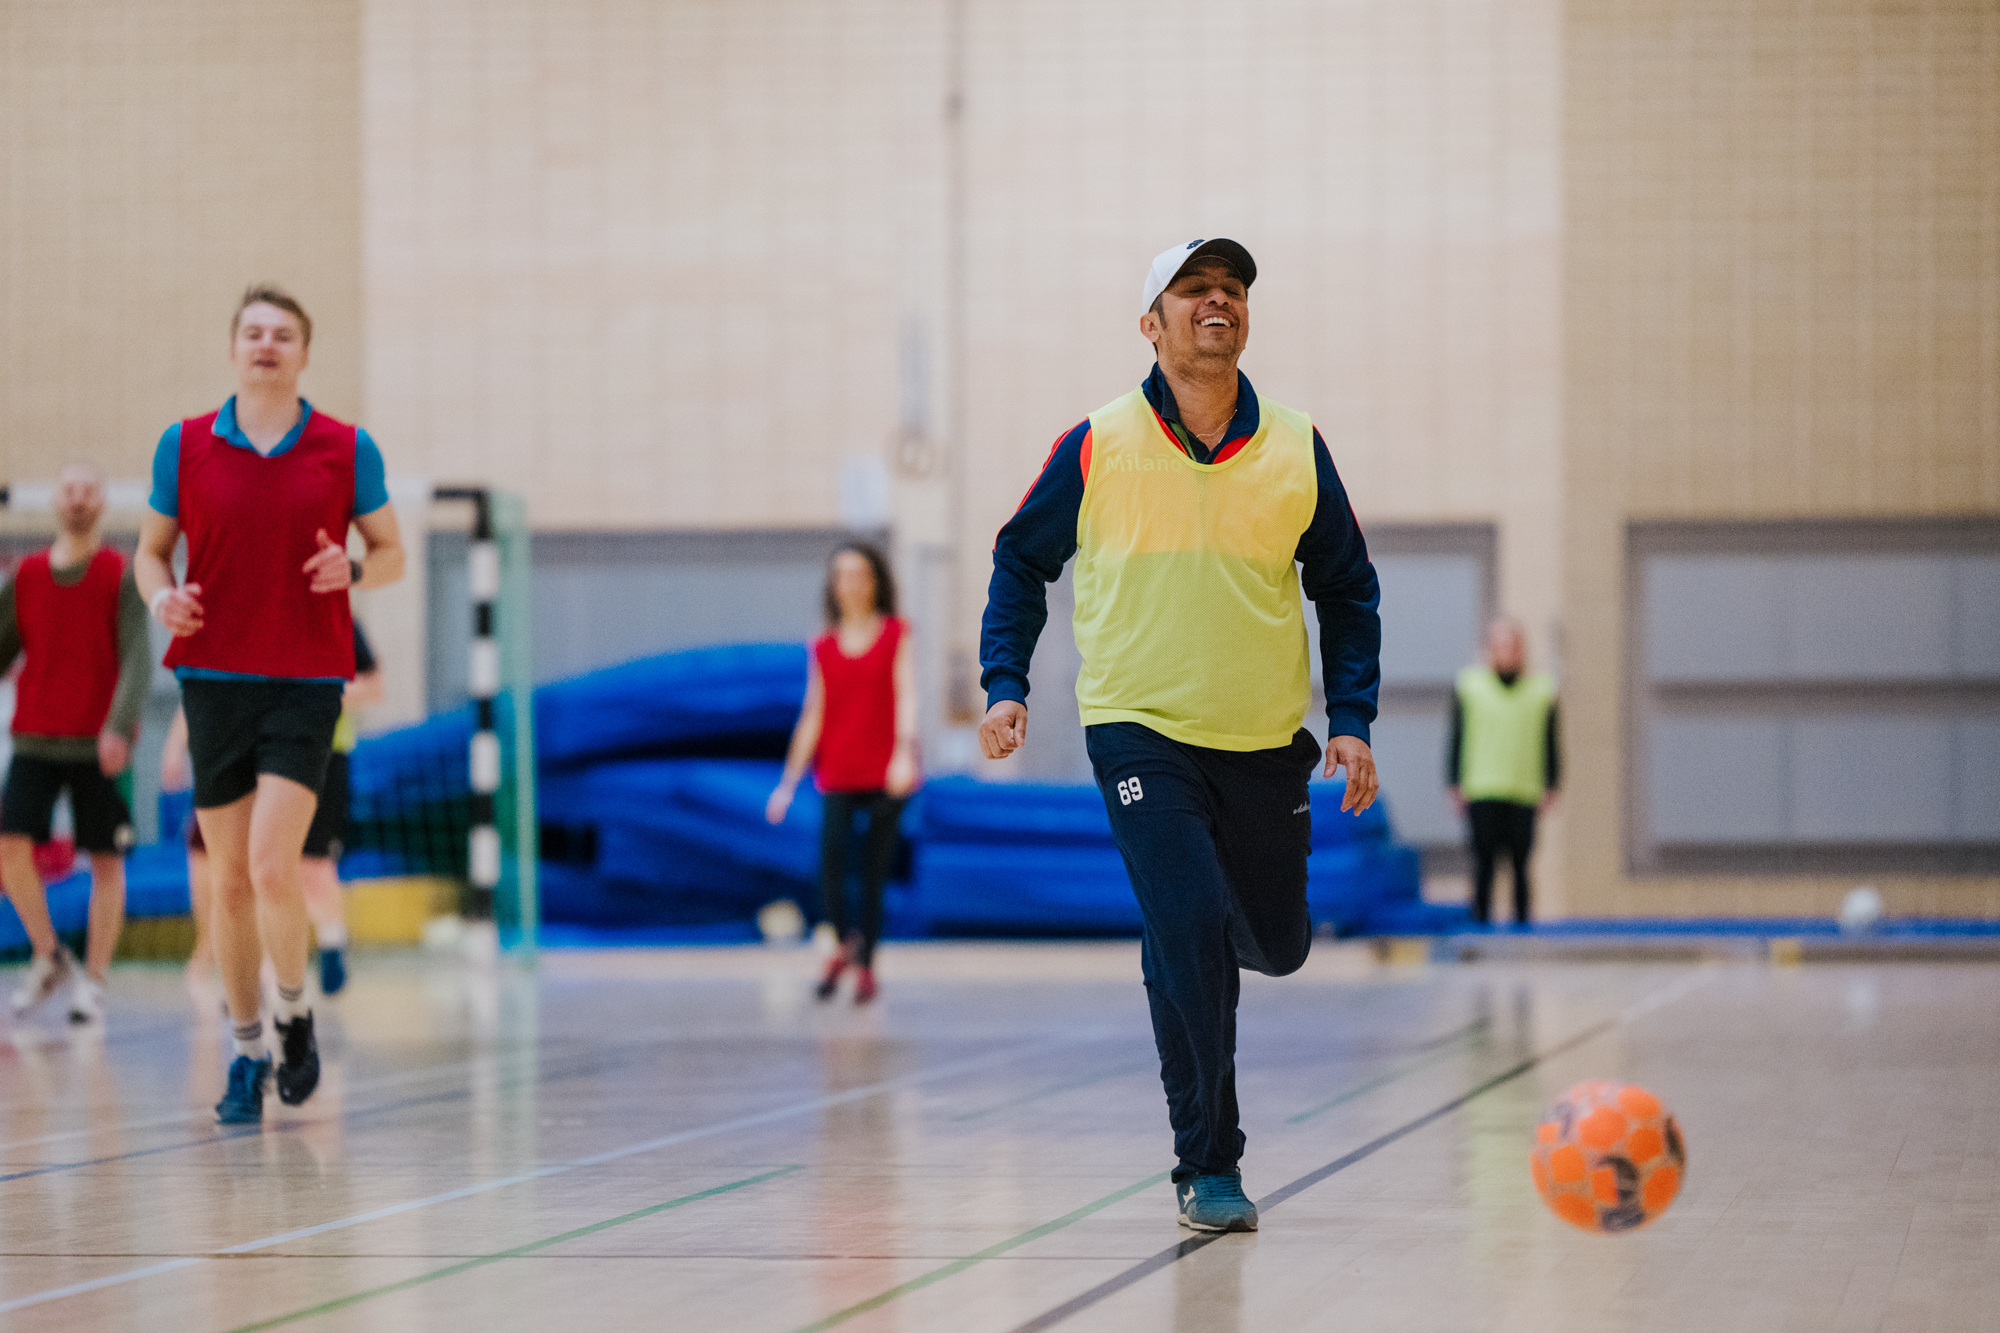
{"type": "Point", "coordinates": [1503, 762]}
{"type": "Point", "coordinates": [1197, 511]}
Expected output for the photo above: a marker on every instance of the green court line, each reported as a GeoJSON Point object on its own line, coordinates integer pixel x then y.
{"type": "Point", "coordinates": [1071, 1086]}
{"type": "Point", "coordinates": [990, 1252]}
{"type": "Point", "coordinates": [1445, 1049]}
{"type": "Point", "coordinates": [342, 1302]}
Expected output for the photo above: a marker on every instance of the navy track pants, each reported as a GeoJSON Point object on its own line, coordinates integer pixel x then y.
{"type": "Point", "coordinates": [1215, 842]}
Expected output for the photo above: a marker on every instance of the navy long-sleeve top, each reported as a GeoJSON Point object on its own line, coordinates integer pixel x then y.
{"type": "Point", "coordinates": [1334, 568]}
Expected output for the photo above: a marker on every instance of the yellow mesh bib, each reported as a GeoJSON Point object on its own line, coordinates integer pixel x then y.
{"type": "Point", "coordinates": [345, 733]}
{"type": "Point", "coordinates": [1187, 599]}
{"type": "Point", "coordinates": [1504, 748]}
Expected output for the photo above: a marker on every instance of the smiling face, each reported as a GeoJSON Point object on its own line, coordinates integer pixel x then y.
{"type": "Point", "coordinates": [268, 348]}
{"type": "Point", "coordinates": [1203, 315]}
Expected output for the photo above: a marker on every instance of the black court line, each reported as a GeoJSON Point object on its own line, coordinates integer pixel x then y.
{"type": "Point", "coordinates": [1173, 1254]}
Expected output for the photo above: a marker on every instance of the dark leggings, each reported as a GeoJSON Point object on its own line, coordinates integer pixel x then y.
{"type": "Point", "coordinates": [836, 827]}
{"type": "Point", "coordinates": [1500, 826]}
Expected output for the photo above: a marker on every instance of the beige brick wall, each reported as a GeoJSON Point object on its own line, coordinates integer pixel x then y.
{"type": "Point", "coordinates": [1394, 168]}
{"type": "Point", "coordinates": [154, 161]}
{"type": "Point", "coordinates": [1782, 300]}
{"type": "Point", "coordinates": [637, 260]}
{"type": "Point", "coordinates": [670, 264]}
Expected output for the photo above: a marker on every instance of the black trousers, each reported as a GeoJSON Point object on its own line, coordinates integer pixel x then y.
{"type": "Point", "coordinates": [1500, 826]}
{"type": "Point", "coordinates": [836, 828]}
{"type": "Point", "coordinates": [1215, 843]}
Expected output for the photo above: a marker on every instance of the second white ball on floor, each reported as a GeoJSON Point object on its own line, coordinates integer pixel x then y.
{"type": "Point", "coordinates": [1861, 909]}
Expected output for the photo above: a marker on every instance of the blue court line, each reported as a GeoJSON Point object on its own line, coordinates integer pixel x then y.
{"type": "Point", "coordinates": [775, 1114]}
{"type": "Point", "coordinates": [342, 1302]}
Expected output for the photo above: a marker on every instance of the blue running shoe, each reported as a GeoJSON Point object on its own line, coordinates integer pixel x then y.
{"type": "Point", "coordinates": [243, 1104]}
{"type": "Point", "coordinates": [1215, 1203]}
{"type": "Point", "coordinates": [332, 971]}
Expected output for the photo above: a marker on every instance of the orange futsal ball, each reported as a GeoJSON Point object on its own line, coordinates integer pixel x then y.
{"type": "Point", "coordinates": [1608, 1157]}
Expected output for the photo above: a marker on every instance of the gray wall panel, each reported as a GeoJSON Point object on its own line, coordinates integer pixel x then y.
{"type": "Point", "coordinates": [1885, 617]}
{"type": "Point", "coordinates": [1431, 611]}
{"type": "Point", "coordinates": [1975, 615]}
{"type": "Point", "coordinates": [595, 615]}
{"type": "Point", "coordinates": [1814, 690]}
{"type": "Point", "coordinates": [1977, 743]}
{"type": "Point", "coordinates": [1714, 618]}
{"type": "Point", "coordinates": [1821, 618]}
{"type": "Point", "coordinates": [1409, 755]}
{"type": "Point", "coordinates": [1717, 779]}
{"type": "Point", "coordinates": [1871, 779]}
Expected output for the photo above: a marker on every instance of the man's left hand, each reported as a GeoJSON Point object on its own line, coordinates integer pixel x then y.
{"type": "Point", "coordinates": [114, 752]}
{"type": "Point", "coordinates": [328, 569]}
{"type": "Point", "coordinates": [1352, 753]}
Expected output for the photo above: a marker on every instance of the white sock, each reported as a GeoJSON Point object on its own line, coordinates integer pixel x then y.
{"type": "Point", "coordinates": [250, 1040]}
{"type": "Point", "coordinates": [292, 1004]}
{"type": "Point", "coordinates": [333, 936]}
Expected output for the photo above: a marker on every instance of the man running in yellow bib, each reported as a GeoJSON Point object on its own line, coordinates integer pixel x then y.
{"type": "Point", "coordinates": [1196, 512]}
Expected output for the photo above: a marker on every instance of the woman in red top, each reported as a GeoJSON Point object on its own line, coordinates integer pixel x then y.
{"type": "Point", "coordinates": [860, 722]}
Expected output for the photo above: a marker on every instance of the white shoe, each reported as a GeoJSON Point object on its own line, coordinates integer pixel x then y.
{"type": "Point", "coordinates": [44, 977]}
{"type": "Point", "coordinates": [86, 999]}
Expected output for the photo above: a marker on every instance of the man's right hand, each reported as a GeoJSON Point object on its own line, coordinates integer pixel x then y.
{"type": "Point", "coordinates": [180, 610]}
{"type": "Point", "coordinates": [1005, 729]}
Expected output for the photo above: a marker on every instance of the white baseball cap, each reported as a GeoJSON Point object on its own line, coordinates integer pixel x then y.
{"type": "Point", "coordinates": [1169, 264]}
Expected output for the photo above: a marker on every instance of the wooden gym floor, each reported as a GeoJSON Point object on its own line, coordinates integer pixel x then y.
{"type": "Point", "coordinates": [684, 1139]}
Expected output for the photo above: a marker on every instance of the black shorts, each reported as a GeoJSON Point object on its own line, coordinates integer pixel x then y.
{"type": "Point", "coordinates": [103, 824]}
{"type": "Point", "coordinates": [240, 728]}
{"type": "Point", "coordinates": [329, 826]}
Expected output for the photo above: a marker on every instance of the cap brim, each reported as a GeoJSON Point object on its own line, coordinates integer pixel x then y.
{"type": "Point", "coordinates": [1226, 250]}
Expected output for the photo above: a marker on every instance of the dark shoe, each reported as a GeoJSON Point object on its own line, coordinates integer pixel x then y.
{"type": "Point", "coordinates": [828, 983]}
{"type": "Point", "coordinates": [298, 1072]}
{"type": "Point", "coordinates": [1215, 1203]}
{"type": "Point", "coordinates": [243, 1104]}
{"type": "Point", "coordinates": [332, 971]}
{"type": "Point", "coordinates": [864, 985]}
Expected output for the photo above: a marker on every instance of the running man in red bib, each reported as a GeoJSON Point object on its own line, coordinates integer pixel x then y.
{"type": "Point", "coordinates": [265, 490]}
{"type": "Point", "coordinates": [75, 614]}
{"type": "Point", "coordinates": [1197, 511]}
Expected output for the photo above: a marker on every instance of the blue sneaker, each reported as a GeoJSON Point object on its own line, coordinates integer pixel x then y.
{"type": "Point", "coordinates": [1215, 1203]}
{"type": "Point", "coordinates": [243, 1104]}
{"type": "Point", "coordinates": [332, 971]}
